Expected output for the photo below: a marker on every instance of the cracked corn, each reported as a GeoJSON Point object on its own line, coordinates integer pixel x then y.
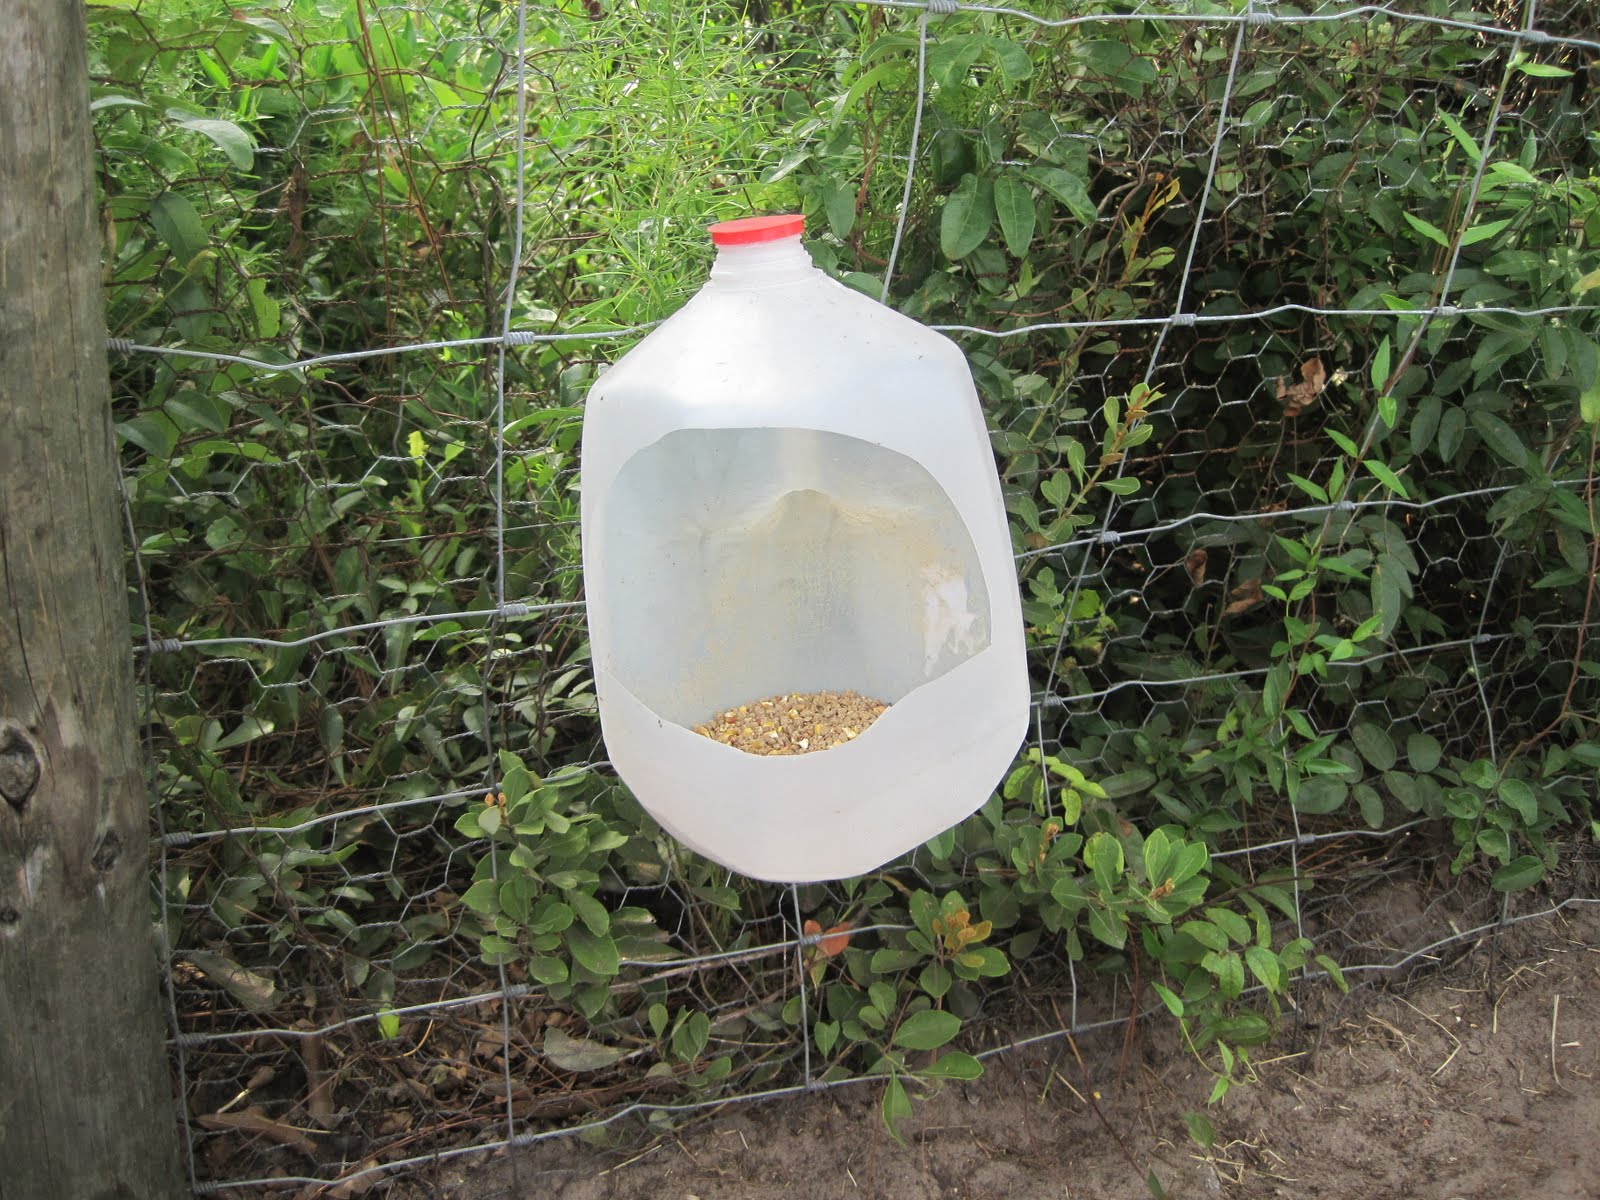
{"type": "Point", "coordinates": [794, 724]}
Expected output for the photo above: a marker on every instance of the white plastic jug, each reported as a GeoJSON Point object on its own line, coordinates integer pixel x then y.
{"type": "Point", "coordinates": [788, 488]}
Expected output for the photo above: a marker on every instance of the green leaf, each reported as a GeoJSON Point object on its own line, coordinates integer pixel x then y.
{"type": "Point", "coordinates": [1479, 233]}
{"type": "Point", "coordinates": [1520, 796]}
{"type": "Point", "coordinates": [1333, 970]}
{"type": "Point", "coordinates": [1264, 965]}
{"type": "Point", "coordinates": [229, 138]}
{"type": "Point", "coordinates": [1501, 438]}
{"type": "Point", "coordinates": [154, 433]}
{"type": "Point", "coordinates": [1371, 804]}
{"type": "Point", "coordinates": [590, 911]}
{"type": "Point", "coordinates": [1229, 971]}
{"type": "Point", "coordinates": [926, 1030]}
{"type": "Point", "coordinates": [1230, 922]}
{"type": "Point", "coordinates": [1207, 934]}
{"type": "Point", "coordinates": [1589, 403]}
{"type": "Point", "coordinates": [1322, 794]}
{"type": "Point", "coordinates": [1013, 202]}
{"type": "Point", "coordinates": [935, 980]}
{"type": "Point", "coordinates": [952, 60]}
{"type": "Point", "coordinates": [1107, 928]}
{"type": "Point", "coordinates": [1067, 188]}
{"type": "Point", "coordinates": [1428, 230]}
{"type": "Point", "coordinates": [268, 312]}
{"type": "Point", "coordinates": [1543, 70]}
{"type": "Point", "coordinates": [968, 215]}
{"type": "Point", "coordinates": [1173, 1002]}
{"type": "Point", "coordinates": [595, 954]}
{"type": "Point", "coordinates": [1344, 443]}
{"type": "Point", "coordinates": [1462, 137]}
{"type": "Point", "coordinates": [1380, 365]}
{"type": "Point", "coordinates": [690, 1037]}
{"type": "Point", "coordinates": [839, 202]}
{"type": "Point", "coordinates": [1387, 477]}
{"type": "Point", "coordinates": [1452, 426]}
{"type": "Point", "coordinates": [1311, 489]}
{"type": "Point", "coordinates": [1156, 852]}
{"type": "Point", "coordinates": [827, 1034]}
{"type": "Point", "coordinates": [1375, 745]}
{"type": "Point", "coordinates": [389, 1024]}
{"type": "Point", "coordinates": [954, 1065]}
{"type": "Point", "coordinates": [483, 897]}
{"type": "Point", "coordinates": [178, 225]}
{"type": "Point", "coordinates": [1014, 63]}
{"type": "Point", "coordinates": [1517, 874]}
{"type": "Point", "coordinates": [896, 1105]}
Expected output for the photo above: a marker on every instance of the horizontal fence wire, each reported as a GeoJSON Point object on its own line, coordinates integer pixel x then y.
{"type": "Point", "coordinates": [384, 654]}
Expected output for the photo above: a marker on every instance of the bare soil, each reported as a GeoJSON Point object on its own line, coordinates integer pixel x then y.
{"type": "Point", "coordinates": [1474, 1078]}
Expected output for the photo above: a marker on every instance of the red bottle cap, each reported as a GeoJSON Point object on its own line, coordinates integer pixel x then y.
{"type": "Point", "coordinates": [749, 230]}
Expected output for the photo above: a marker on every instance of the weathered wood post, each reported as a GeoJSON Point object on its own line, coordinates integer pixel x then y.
{"type": "Point", "coordinates": [86, 1109]}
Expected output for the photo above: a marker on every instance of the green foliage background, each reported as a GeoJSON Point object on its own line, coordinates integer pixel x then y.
{"type": "Point", "coordinates": [1352, 585]}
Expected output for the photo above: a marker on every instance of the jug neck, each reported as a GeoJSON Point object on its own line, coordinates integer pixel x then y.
{"type": "Point", "coordinates": [761, 265]}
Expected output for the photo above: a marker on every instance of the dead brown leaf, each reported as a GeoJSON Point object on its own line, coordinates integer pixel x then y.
{"type": "Point", "coordinates": [254, 1120]}
{"type": "Point", "coordinates": [319, 1093]}
{"type": "Point", "coordinates": [1297, 397]}
{"type": "Point", "coordinates": [1195, 566]}
{"type": "Point", "coordinates": [1246, 596]}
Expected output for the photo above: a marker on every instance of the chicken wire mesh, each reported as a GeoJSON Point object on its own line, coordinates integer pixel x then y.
{"type": "Point", "coordinates": [420, 233]}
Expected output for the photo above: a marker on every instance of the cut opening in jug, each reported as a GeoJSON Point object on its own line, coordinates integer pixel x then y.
{"type": "Point", "coordinates": [767, 562]}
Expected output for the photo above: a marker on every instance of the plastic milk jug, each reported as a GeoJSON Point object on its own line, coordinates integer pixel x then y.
{"type": "Point", "coordinates": [788, 489]}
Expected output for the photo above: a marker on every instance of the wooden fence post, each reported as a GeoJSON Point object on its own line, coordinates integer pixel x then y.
{"type": "Point", "coordinates": [86, 1109]}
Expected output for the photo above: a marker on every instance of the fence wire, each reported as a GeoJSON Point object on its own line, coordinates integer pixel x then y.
{"type": "Point", "coordinates": [327, 687]}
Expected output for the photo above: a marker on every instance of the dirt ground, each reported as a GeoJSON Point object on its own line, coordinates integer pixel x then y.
{"type": "Point", "coordinates": [1474, 1078]}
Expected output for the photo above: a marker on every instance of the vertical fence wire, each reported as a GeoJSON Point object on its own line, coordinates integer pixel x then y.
{"type": "Point", "coordinates": [147, 750]}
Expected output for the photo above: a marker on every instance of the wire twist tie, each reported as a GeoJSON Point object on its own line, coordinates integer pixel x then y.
{"type": "Point", "coordinates": [1256, 16]}
{"type": "Point", "coordinates": [942, 8]}
{"type": "Point", "coordinates": [1306, 839]}
{"type": "Point", "coordinates": [181, 838]}
{"type": "Point", "coordinates": [1181, 320]}
{"type": "Point", "coordinates": [1110, 538]}
{"type": "Point", "coordinates": [519, 337]}
{"type": "Point", "coordinates": [514, 608]}
{"type": "Point", "coordinates": [119, 345]}
{"type": "Point", "coordinates": [1446, 310]}
{"type": "Point", "coordinates": [166, 645]}
{"type": "Point", "coordinates": [1344, 506]}
{"type": "Point", "coordinates": [1535, 37]}
{"type": "Point", "coordinates": [1483, 639]}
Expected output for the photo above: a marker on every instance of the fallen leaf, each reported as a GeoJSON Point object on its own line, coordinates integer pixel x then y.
{"type": "Point", "coordinates": [255, 992]}
{"type": "Point", "coordinates": [579, 1054]}
{"type": "Point", "coordinates": [1195, 565]}
{"type": "Point", "coordinates": [253, 1120]}
{"type": "Point", "coordinates": [319, 1094]}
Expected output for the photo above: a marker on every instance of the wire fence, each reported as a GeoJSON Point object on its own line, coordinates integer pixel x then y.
{"type": "Point", "coordinates": [327, 688]}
